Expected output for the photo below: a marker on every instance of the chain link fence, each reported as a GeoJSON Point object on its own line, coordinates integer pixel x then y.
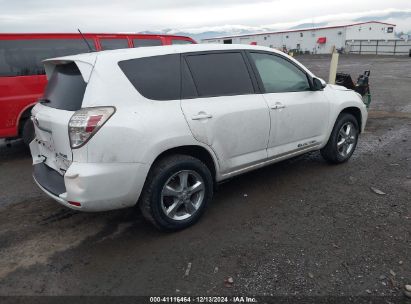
{"type": "Point", "coordinates": [378, 47]}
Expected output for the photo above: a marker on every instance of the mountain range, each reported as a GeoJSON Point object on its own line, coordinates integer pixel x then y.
{"type": "Point", "coordinates": [231, 30]}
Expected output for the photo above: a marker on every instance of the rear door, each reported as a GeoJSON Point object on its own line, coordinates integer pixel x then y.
{"type": "Point", "coordinates": [222, 108]}
{"type": "Point", "coordinates": [63, 96]}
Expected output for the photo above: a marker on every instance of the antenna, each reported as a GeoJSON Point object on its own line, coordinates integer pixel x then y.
{"type": "Point", "coordinates": [85, 40]}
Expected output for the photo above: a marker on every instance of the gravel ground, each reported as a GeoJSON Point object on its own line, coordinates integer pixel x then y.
{"type": "Point", "coordinates": [297, 228]}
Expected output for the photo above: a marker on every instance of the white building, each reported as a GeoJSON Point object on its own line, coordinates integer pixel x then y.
{"type": "Point", "coordinates": [406, 37]}
{"type": "Point", "coordinates": [318, 40]}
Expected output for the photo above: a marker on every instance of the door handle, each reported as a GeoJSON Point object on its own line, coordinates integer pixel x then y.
{"type": "Point", "coordinates": [201, 115]}
{"type": "Point", "coordinates": [277, 106]}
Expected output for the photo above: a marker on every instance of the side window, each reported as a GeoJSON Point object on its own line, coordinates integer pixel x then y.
{"type": "Point", "coordinates": [188, 88]}
{"type": "Point", "coordinates": [219, 74]}
{"type": "Point", "coordinates": [146, 42]}
{"type": "Point", "coordinates": [180, 41]}
{"type": "Point", "coordinates": [156, 77]}
{"type": "Point", "coordinates": [279, 75]}
{"type": "Point", "coordinates": [24, 57]}
{"type": "Point", "coordinates": [113, 44]}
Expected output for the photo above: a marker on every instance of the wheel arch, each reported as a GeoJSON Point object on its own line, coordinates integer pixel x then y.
{"type": "Point", "coordinates": [196, 151]}
{"type": "Point", "coordinates": [356, 112]}
{"type": "Point", "coordinates": [24, 114]}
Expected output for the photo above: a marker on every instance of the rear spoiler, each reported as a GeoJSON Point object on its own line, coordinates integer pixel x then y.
{"type": "Point", "coordinates": [84, 62]}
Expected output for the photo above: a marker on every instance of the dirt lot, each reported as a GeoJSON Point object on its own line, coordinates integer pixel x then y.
{"type": "Point", "coordinates": [300, 227]}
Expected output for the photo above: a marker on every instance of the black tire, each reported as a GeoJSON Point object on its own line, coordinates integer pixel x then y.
{"type": "Point", "coordinates": [162, 171]}
{"type": "Point", "coordinates": [331, 152]}
{"type": "Point", "coordinates": [27, 132]}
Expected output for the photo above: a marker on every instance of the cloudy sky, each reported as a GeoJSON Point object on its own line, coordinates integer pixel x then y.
{"type": "Point", "coordinates": [190, 15]}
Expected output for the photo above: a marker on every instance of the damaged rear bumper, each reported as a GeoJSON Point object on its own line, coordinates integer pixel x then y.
{"type": "Point", "coordinates": [93, 186]}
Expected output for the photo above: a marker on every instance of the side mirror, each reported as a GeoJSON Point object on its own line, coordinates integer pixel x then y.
{"type": "Point", "coordinates": [319, 84]}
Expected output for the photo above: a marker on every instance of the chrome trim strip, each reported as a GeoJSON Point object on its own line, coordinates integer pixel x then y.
{"type": "Point", "coordinates": [275, 159]}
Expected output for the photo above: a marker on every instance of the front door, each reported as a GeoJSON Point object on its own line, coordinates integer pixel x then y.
{"type": "Point", "coordinates": [222, 109]}
{"type": "Point", "coordinates": [299, 115]}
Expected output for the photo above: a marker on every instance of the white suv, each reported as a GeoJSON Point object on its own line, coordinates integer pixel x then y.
{"type": "Point", "coordinates": [158, 127]}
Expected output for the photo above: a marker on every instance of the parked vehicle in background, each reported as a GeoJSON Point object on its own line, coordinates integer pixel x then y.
{"type": "Point", "coordinates": [160, 127]}
{"type": "Point", "coordinates": [22, 76]}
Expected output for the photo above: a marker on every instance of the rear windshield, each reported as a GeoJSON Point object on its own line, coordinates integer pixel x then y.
{"type": "Point", "coordinates": [24, 57]}
{"type": "Point", "coordinates": [65, 89]}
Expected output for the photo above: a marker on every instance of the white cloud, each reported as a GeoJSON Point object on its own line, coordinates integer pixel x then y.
{"type": "Point", "coordinates": [188, 15]}
{"type": "Point", "coordinates": [403, 24]}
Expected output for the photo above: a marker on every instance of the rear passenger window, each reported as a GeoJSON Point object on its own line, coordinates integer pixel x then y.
{"type": "Point", "coordinates": [113, 44]}
{"type": "Point", "coordinates": [219, 74]}
{"type": "Point", "coordinates": [156, 77]}
{"type": "Point", "coordinates": [180, 41]}
{"type": "Point", "coordinates": [146, 42]}
{"type": "Point", "coordinates": [23, 57]}
{"type": "Point", "coordinates": [188, 88]}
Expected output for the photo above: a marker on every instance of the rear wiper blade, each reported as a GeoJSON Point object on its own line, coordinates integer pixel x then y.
{"type": "Point", "coordinates": [44, 100]}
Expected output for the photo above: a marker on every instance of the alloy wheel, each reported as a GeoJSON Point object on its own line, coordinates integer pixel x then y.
{"type": "Point", "coordinates": [182, 195]}
{"type": "Point", "coordinates": [347, 138]}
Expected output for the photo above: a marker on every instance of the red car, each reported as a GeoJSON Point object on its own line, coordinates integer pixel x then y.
{"type": "Point", "coordinates": [22, 77]}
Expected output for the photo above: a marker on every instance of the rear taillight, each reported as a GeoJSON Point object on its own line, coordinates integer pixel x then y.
{"type": "Point", "coordinates": [86, 122]}
{"type": "Point", "coordinates": [77, 204]}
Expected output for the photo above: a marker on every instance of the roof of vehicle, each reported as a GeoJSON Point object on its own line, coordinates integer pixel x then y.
{"type": "Point", "coordinates": [114, 56]}
{"type": "Point", "coordinates": [86, 34]}
{"type": "Point", "coordinates": [130, 53]}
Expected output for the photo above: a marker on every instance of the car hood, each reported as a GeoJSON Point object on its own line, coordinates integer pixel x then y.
{"type": "Point", "coordinates": [338, 87]}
